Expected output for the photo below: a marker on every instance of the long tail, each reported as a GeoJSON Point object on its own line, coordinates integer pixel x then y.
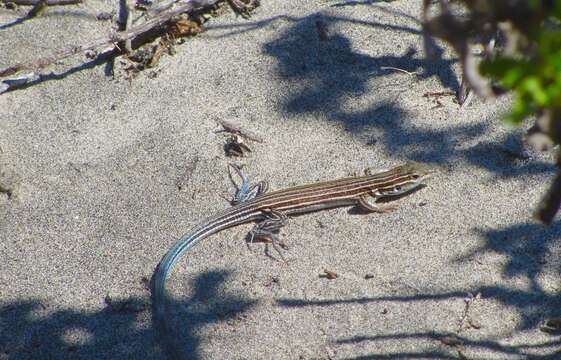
{"type": "Point", "coordinates": [159, 294]}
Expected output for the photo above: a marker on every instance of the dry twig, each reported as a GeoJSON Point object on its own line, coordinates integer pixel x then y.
{"type": "Point", "coordinates": [112, 40]}
{"type": "Point", "coordinates": [236, 129]}
{"type": "Point", "coordinates": [398, 69]}
{"type": "Point", "coordinates": [244, 7]}
{"type": "Point", "coordinates": [328, 274]}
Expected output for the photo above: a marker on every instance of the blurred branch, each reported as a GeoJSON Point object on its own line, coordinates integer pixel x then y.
{"type": "Point", "coordinates": [528, 63]}
{"type": "Point", "coordinates": [552, 200]}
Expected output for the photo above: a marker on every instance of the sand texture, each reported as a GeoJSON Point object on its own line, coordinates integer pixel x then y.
{"type": "Point", "coordinates": [108, 172]}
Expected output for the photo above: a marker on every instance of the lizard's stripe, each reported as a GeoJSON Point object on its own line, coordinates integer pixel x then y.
{"type": "Point", "coordinates": [311, 196]}
{"type": "Point", "coordinates": [307, 196]}
{"type": "Point", "coordinates": [353, 187]}
{"type": "Point", "coordinates": [337, 184]}
{"type": "Point", "coordinates": [298, 199]}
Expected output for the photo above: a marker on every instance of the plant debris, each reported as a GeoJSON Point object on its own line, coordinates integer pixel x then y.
{"type": "Point", "coordinates": [181, 19]}
{"type": "Point", "coordinates": [244, 7]}
{"type": "Point", "coordinates": [330, 275]}
{"type": "Point", "coordinates": [235, 146]}
{"type": "Point", "coordinates": [235, 128]}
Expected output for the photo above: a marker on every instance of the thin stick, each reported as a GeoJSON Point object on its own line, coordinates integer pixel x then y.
{"type": "Point", "coordinates": [129, 6]}
{"type": "Point", "coordinates": [234, 128]}
{"type": "Point", "coordinates": [125, 22]}
{"type": "Point", "coordinates": [398, 69]}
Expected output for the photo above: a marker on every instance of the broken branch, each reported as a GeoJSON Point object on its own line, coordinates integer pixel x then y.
{"type": "Point", "coordinates": [112, 39]}
{"type": "Point", "coordinates": [235, 128]}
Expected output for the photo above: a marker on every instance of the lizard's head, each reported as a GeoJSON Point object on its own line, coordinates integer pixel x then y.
{"type": "Point", "coordinates": [404, 178]}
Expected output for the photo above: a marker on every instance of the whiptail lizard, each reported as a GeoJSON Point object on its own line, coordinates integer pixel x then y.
{"type": "Point", "coordinates": [252, 203]}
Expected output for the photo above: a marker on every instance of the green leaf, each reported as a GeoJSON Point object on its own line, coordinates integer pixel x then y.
{"type": "Point", "coordinates": [508, 71]}
{"type": "Point", "coordinates": [520, 110]}
{"type": "Point", "coordinates": [533, 87]}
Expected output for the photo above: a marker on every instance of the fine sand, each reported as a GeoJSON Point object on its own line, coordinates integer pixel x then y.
{"type": "Point", "coordinates": [107, 173]}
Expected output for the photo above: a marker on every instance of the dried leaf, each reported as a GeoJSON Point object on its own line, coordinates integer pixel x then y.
{"type": "Point", "coordinates": [329, 274]}
{"type": "Point", "coordinates": [185, 27]}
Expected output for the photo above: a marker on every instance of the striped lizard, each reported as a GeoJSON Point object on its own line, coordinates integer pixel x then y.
{"type": "Point", "coordinates": [271, 211]}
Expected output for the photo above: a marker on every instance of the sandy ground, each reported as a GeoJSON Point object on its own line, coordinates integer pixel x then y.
{"type": "Point", "coordinates": [107, 173]}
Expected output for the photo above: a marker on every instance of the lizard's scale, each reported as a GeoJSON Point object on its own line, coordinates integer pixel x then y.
{"type": "Point", "coordinates": [300, 199]}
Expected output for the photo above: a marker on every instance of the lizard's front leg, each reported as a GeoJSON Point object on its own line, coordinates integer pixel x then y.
{"type": "Point", "coordinates": [368, 202]}
{"type": "Point", "coordinates": [246, 191]}
{"type": "Point", "coordinates": [267, 230]}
